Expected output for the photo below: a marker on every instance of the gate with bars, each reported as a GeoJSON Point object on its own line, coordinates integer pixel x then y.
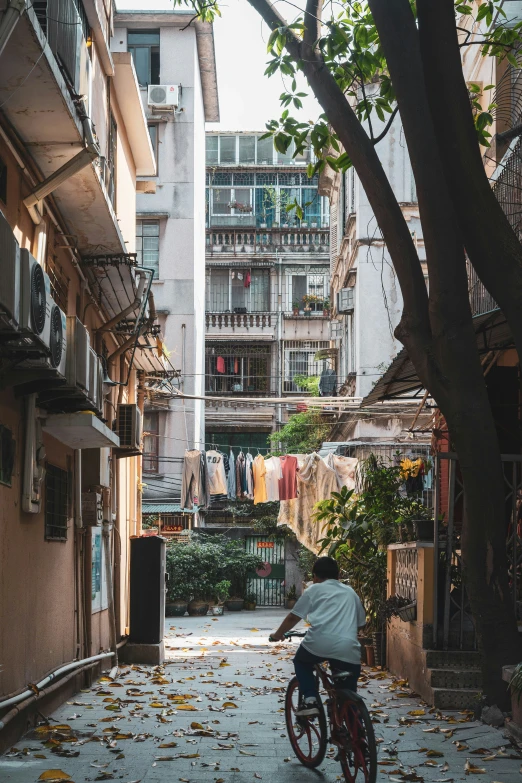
{"type": "Point", "coordinates": [453, 627]}
{"type": "Point", "coordinates": [268, 583]}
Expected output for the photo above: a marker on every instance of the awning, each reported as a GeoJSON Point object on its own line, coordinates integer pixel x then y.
{"type": "Point", "coordinates": [129, 100]}
{"type": "Point", "coordinates": [80, 431]}
{"type": "Point", "coordinates": [401, 379]}
{"type": "Point", "coordinates": [166, 508]}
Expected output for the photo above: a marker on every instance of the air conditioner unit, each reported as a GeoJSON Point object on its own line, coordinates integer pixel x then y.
{"type": "Point", "coordinates": [56, 360]}
{"type": "Point", "coordinates": [128, 426]}
{"type": "Point", "coordinates": [163, 95]}
{"type": "Point", "coordinates": [35, 300]}
{"type": "Point", "coordinates": [95, 379]}
{"type": "Point", "coordinates": [92, 510]}
{"type": "Point", "coordinates": [78, 347]}
{"type": "Point", "coordinates": [345, 300]}
{"type": "Point", "coordinates": [9, 278]}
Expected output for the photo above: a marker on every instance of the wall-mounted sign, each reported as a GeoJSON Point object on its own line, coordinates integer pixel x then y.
{"type": "Point", "coordinates": [265, 544]}
{"type": "Point", "coordinates": [264, 570]}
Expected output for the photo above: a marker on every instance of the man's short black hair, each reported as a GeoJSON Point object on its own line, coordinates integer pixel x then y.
{"type": "Point", "coordinates": [326, 568]}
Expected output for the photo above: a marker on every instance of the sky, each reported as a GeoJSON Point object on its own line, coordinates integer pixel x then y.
{"type": "Point", "coordinates": [247, 98]}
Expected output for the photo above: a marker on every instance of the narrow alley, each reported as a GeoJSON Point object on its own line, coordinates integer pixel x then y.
{"type": "Point", "coordinates": [214, 712]}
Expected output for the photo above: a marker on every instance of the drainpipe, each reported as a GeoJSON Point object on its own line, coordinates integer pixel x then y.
{"type": "Point", "coordinates": [141, 408]}
{"type": "Point", "coordinates": [85, 157]}
{"type": "Point", "coordinates": [128, 310]}
{"type": "Point", "coordinates": [10, 18]}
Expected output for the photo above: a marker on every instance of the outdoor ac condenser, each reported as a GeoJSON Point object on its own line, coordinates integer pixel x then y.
{"type": "Point", "coordinates": [163, 95]}
{"type": "Point", "coordinates": [9, 279]}
{"type": "Point", "coordinates": [128, 426]}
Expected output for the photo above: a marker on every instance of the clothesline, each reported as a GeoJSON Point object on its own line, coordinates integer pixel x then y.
{"type": "Point", "coordinates": [353, 402]}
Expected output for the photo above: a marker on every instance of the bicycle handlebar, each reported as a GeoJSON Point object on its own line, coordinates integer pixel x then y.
{"type": "Point", "coordinates": [289, 635]}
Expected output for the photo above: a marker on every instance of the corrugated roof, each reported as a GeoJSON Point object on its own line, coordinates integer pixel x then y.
{"type": "Point", "coordinates": [401, 379]}
{"type": "Point", "coordinates": [166, 508]}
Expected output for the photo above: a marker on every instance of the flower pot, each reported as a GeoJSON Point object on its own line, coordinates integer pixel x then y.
{"type": "Point", "coordinates": [308, 313]}
{"type": "Point", "coordinates": [217, 610]}
{"type": "Point", "coordinates": [313, 225]}
{"type": "Point", "coordinates": [235, 604]}
{"type": "Point", "coordinates": [262, 225]}
{"type": "Point", "coordinates": [423, 529]}
{"type": "Point", "coordinates": [290, 603]}
{"type": "Point", "coordinates": [197, 608]}
{"type": "Point", "coordinates": [379, 648]}
{"type": "Point", "coordinates": [304, 224]}
{"type": "Point", "coordinates": [370, 654]}
{"type": "Point", "coordinates": [408, 614]}
{"type": "Point", "coordinates": [175, 608]}
{"type": "Point", "coordinates": [295, 311]}
{"type": "Point", "coordinates": [249, 606]}
{"type": "Point", "coordinates": [326, 313]}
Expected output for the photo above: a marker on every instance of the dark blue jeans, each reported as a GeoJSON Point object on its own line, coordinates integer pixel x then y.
{"type": "Point", "coordinates": [304, 663]}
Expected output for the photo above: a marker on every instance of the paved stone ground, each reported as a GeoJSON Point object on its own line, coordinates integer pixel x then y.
{"type": "Point", "coordinates": [136, 729]}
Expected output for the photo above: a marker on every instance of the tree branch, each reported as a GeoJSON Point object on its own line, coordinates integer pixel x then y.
{"type": "Point", "coordinates": [362, 153]}
{"type": "Point", "coordinates": [312, 22]}
{"type": "Point", "coordinates": [381, 136]}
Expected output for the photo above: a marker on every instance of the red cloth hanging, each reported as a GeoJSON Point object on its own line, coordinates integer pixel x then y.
{"type": "Point", "coordinates": [236, 366]}
{"type": "Point", "coordinates": [220, 364]}
{"type": "Point", "coordinates": [248, 279]}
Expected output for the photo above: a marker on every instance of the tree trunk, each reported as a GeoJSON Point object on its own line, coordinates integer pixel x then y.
{"type": "Point", "coordinates": [492, 246]}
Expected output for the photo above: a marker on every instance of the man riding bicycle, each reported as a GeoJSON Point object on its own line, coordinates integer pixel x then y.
{"type": "Point", "coordinates": [335, 613]}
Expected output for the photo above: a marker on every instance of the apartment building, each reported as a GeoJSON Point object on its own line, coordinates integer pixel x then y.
{"type": "Point", "coordinates": [267, 286]}
{"type": "Point", "coordinates": [176, 70]}
{"type": "Point", "coordinates": [79, 342]}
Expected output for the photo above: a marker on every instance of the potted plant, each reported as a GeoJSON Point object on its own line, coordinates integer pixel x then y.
{"type": "Point", "coordinates": [235, 604]}
{"type": "Point", "coordinates": [295, 308]}
{"type": "Point", "coordinates": [221, 592]}
{"type": "Point", "coordinates": [326, 307]}
{"type": "Point", "coordinates": [313, 224]}
{"type": "Point", "coordinates": [291, 597]}
{"type": "Point", "coordinates": [250, 601]}
{"type": "Point", "coordinates": [304, 224]}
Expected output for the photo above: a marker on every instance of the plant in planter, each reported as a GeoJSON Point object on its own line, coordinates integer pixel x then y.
{"type": "Point", "coordinates": [326, 307]}
{"type": "Point", "coordinates": [291, 597]}
{"type": "Point", "coordinates": [295, 307]}
{"type": "Point", "coordinates": [250, 601]}
{"type": "Point", "coordinates": [221, 593]}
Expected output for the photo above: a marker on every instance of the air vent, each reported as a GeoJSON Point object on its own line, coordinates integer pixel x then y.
{"type": "Point", "coordinates": [56, 337]}
{"type": "Point", "coordinates": [38, 298]}
{"type": "Point", "coordinates": [128, 426]}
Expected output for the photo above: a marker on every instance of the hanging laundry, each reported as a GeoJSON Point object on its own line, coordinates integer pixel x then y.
{"type": "Point", "coordinates": [345, 469]}
{"type": "Point", "coordinates": [249, 476]}
{"type": "Point", "coordinates": [220, 364]}
{"type": "Point", "coordinates": [272, 475]}
{"type": "Point", "coordinates": [241, 481]}
{"type": "Point", "coordinates": [259, 471]}
{"type": "Point", "coordinates": [191, 485]}
{"type": "Point", "coordinates": [231, 478]}
{"type": "Point", "coordinates": [288, 480]}
{"type": "Point", "coordinates": [236, 366]}
{"type": "Point", "coordinates": [328, 383]}
{"type": "Point", "coordinates": [412, 472]}
{"type": "Point", "coordinates": [204, 499]}
{"type": "Point", "coordinates": [248, 279]}
{"type": "Point", "coordinates": [288, 508]}
{"type": "Point", "coordinates": [217, 480]}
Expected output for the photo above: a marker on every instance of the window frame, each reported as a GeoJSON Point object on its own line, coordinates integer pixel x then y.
{"type": "Point", "coordinates": [263, 273]}
{"type": "Point", "coordinates": [151, 77]}
{"type": "Point", "coordinates": [150, 459]}
{"type": "Point", "coordinates": [140, 222]}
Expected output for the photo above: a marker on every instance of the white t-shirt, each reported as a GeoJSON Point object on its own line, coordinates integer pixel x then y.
{"type": "Point", "coordinates": [272, 476]}
{"type": "Point", "coordinates": [217, 479]}
{"type": "Point", "coordinates": [335, 613]}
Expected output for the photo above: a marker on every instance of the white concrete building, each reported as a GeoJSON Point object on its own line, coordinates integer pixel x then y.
{"type": "Point", "coordinates": [167, 51]}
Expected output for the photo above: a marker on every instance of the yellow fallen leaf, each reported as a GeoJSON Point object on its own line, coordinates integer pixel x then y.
{"type": "Point", "coordinates": [188, 756]}
{"type": "Point", "coordinates": [254, 630]}
{"type": "Point", "coordinates": [417, 713]}
{"type": "Point", "coordinates": [186, 707]}
{"type": "Point", "coordinates": [168, 745]}
{"type": "Point", "coordinates": [52, 775]}
{"type": "Point", "coordinates": [157, 705]}
{"type": "Point", "coordinates": [435, 754]}
{"type": "Point", "coordinates": [229, 705]}
{"type": "Point", "coordinates": [195, 725]}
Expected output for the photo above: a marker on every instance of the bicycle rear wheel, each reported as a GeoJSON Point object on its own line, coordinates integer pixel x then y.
{"type": "Point", "coordinates": [358, 754]}
{"type": "Point", "coordinates": [308, 736]}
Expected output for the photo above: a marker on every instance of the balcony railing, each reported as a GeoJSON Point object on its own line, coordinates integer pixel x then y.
{"type": "Point", "coordinates": [233, 220]}
{"type": "Point", "coordinates": [65, 24]}
{"type": "Point", "coordinates": [240, 320]}
{"type": "Point", "coordinates": [280, 241]}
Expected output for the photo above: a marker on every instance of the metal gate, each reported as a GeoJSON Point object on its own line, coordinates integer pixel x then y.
{"type": "Point", "coordinates": [268, 583]}
{"type": "Point", "coordinates": [453, 627]}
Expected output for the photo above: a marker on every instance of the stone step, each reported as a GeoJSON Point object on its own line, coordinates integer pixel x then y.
{"type": "Point", "coordinates": [455, 678]}
{"type": "Point", "coordinates": [456, 698]}
{"type": "Point", "coordinates": [453, 659]}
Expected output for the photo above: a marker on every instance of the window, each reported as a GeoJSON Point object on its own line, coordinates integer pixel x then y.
{"type": "Point", "coordinates": [56, 503]}
{"type": "Point", "coordinates": [300, 360]}
{"type": "Point", "coordinates": [222, 198]}
{"type": "Point", "coordinates": [212, 148]}
{"type": "Point", "coordinates": [153, 133]}
{"type": "Point", "coordinates": [237, 368]}
{"type": "Point", "coordinates": [309, 290]}
{"type": "Point", "coordinates": [228, 149]}
{"type": "Point", "coordinates": [151, 442]}
{"type": "Point", "coordinates": [3, 181]}
{"type": "Point", "coordinates": [7, 454]}
{"type": "Point", "coordinates": [265, 151]}
{"type": "Point", "coordinates": [228, 289]}
{"type": "Point", "coordinates": [147, 244]}
{"type": "Point", "coordinates": [144, 47]}
{"type": "Point", "coordinates": [247, 149]}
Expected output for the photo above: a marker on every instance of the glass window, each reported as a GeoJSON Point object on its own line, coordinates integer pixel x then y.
{"type": "Point", "coordinates": [212, 150]}
{"type": "Point", "coordinates": [247, 149]}
{"type": "Point", "coordinates": [151, 442]}
{"type": "Point", "coordinates": [227, 149]}
{"type": "Point", "coordinates": [240, 288]}
{"type": "Point", "coordinates": [3, 181]}
{"type": "Point", "coordinates": [311, 206]}
{"type": "Point", "coordinates": [147, 244]}
{"type": "Point", "coordinates": [153, 133]}
{"type": "Point", "coordinates": [286, 157]}
{"type": "Point", "coordinates": [259, 290]}
{"type": "Point", "coordinates": [144, 47]}
{"type": "Point", "coordinates": [218, 291]}
{"type": "Point", "coordinates": [243, 197]}
{"type": "Point", "coordinates": [237, 368]}
{"type": "Point", "coordinates": [221, 200]}
{"type": "Point", "coordinates": [299, 290]}
{"type": "Point", "coordinates": [265, 151]}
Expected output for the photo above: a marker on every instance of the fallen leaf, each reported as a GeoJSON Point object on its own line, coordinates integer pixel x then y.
{"type": "Point", "coordinates": [196, 726]}
{"type": "Point", "coordinates": [188, 707]}
{"type": "Point", "coordinates": [229, 705]}
{"type": "Point", "coordinates": [470, 768]}
{"type": "Point", "coordinates": [417, 713]}
{"type": "Point", "coordinates": [168, 745]}
{"type": "Point", "coordinates": [435, 754]}
{"type": "Point", "coordinates": [52, 775]}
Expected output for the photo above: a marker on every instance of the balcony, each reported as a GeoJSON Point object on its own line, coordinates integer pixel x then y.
{"type": "Point", "coordinates": [259, 325]}
{"type": "Point", "coordinates": [236, 221]}
{"type": "Point", "coordinates": [280, 241]}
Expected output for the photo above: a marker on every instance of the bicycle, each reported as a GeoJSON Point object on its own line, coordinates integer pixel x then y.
{"type": "Point", "coordinates": [351, 728]}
